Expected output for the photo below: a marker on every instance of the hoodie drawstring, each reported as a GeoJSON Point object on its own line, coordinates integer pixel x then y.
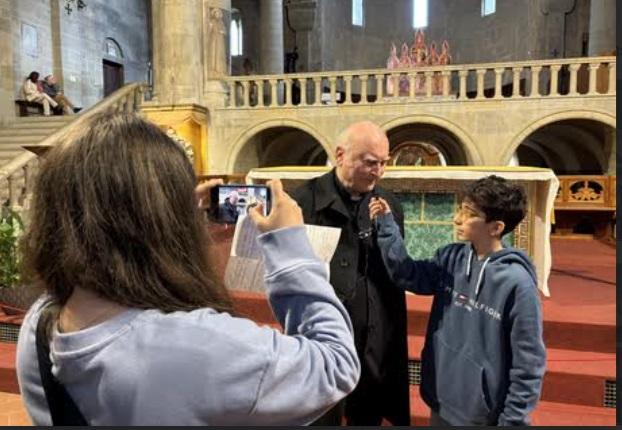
{"type": "Point", "coordinates": [481, 272]}
{"type": "Point", "coordinates": [479, 279]}
{"type": "Point", "coordinates": [468, 268]}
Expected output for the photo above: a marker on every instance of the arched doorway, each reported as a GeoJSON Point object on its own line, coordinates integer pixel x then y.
{"type": "Point", "coordinates": [425, 144]}
{"type": "Point", "coordinates": [114, 76]}
{"type": "Point", "coordinates": [570, 147]}
{"type": "Point", "coordinates": [280, 146]}
{"type": "Point", "coordinates": [582, 153]}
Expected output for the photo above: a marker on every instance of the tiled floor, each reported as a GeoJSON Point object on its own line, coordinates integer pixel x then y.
{"type": "Point", "coordinates": [12, 412]}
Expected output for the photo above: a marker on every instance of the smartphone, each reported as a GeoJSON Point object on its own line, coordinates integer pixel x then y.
{"type": "Point", "coordinates": [230, 201]}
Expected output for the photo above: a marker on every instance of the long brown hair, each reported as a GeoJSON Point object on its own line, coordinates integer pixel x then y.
{"type": "Point", "coordinates": [114, 212]}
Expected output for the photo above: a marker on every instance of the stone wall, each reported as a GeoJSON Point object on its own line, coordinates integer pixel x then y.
{"type": "Point", "coordinates": [521, 30]}
{"type": "Point", "coordinates": [73, 46]}
{"type": "Point", "coordinates": [84, 35]}
{"type": "Point", "coordinates": [516, 31]}
{"type": "Point", "coordinates": [32, 39]}
{"type": "Point", "coordinates": [6, 61]}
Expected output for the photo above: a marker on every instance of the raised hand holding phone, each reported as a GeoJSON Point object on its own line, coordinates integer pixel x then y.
{"type": "Point", "coordinates": [285, 211]}
{"type": "Point", "coordinates": [203, 191]}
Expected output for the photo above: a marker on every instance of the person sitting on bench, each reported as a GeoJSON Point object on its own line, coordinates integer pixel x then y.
{"type": "Point", "coordinates": [32, 93]}
{"type": "Point", "coordinates": [50, 87]}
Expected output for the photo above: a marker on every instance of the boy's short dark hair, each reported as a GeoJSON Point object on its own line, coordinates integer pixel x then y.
{"type": "Point", "coordinates": [499, 200]}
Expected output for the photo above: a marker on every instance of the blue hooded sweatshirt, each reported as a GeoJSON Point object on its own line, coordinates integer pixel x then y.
{"type": "Point", "coordinates": [483, 359]}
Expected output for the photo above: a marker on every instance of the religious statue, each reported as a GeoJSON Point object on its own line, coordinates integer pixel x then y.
{"type": "Point", "coordinates": [405, 63]}
{"type": "Point", "coordinates": [418, 55]}
{"type": "Point", "coordinates": [433, 55]}
{"type": "Point", "coordinates": [419, 50]}
{"type": "Point", "coordinates": [433, 60]}
{"type": "Point", "coordinates": [217, 61]}
{"type": "Point", "coordinates": [419, 58]}
{"type": "Point", "coordinates": [392, 63]}
{"type": "Point", "coordinates": [444, 58]}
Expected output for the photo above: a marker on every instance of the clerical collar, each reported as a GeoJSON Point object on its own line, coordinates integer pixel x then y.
{"type": "Point", "coordinates": [345, 195]}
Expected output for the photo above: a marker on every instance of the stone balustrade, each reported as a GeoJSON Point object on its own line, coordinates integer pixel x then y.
{"type": "Point", "coordinates": [569, 77]}
{"type": "Point", "coordinates": [16, 177]}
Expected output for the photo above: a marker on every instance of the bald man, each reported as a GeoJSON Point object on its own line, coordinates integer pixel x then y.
{"type": "Point", "coordinates": [377, 308]}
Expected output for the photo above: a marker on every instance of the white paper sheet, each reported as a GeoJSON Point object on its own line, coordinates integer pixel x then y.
{"type": "Point", "coordinates": [245, 269]}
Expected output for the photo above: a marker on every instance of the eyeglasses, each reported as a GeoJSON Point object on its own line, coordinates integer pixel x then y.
{"type": "Point", "coordinates": [372, 162]}
{"type": "Point", "coordinates": [468, 213]}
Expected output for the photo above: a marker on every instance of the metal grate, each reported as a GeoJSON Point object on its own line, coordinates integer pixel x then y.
{"type": "Point", "coordinates": [610, 394]}
{"type": "Point", "coordinates": [414, 372]}
{"type": "Point", "coordinates": [8, 332]}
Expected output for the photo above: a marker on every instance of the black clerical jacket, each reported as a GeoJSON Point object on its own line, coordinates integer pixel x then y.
{"type": "Point", "coordinates": [376, 306]}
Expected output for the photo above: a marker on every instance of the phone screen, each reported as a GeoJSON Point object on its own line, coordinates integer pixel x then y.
{"type": "Point", "coordinates": [230, 201]}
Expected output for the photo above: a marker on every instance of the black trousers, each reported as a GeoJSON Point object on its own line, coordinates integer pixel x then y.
{"type": "Point", "coordinates": [360, 408]}
{"type": "Point", "coordinates": [355, 416]}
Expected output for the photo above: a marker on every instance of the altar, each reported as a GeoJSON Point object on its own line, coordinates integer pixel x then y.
{"type": "Point", "coordinates": [429, 196]}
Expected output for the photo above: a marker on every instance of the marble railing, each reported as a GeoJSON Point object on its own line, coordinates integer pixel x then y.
{"type": "Point", "coordinates": [16, 177]}
{"type": "Point", "coordinates": [568, 77]}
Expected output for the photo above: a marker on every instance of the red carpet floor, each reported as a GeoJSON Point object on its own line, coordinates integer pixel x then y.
{"type": "Point", "coordinates": [579, 326]}
{"type": "Point", "coordinates": [582, 282]}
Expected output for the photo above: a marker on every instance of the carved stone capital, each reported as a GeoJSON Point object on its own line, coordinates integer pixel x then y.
{"type": "Point", "coordinates": [301, 14]}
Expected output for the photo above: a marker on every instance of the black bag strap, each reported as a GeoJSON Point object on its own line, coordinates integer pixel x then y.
{"type": "Point", "coordinates": [62, 407]}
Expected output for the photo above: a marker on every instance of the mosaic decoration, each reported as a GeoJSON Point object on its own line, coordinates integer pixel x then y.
{"type": "Point", "coordinates": [412, 205]}
{"type": "Point", "coordinates": [428, 223]}
{"type": "Point", "coordinates": [439, 207]}
{"type": "Point", "coordinates": [422, 239]}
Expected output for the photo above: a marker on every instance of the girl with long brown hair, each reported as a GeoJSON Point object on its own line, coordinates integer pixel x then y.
{"type": "Point", "coordinates": [140, 330]}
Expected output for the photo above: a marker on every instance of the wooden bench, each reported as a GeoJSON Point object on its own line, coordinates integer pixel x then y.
{"type": "Point", "coordinates": [26, 108]}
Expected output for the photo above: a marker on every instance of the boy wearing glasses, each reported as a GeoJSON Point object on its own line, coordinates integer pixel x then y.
{"type": "Point", "coordinates": [483, 360]}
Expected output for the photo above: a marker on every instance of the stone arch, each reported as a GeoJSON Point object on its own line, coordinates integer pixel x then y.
{"type": "Point", "coordinates": [113, 50]}
{"type": "Point", "coordinates": [247, 136]}
{"type": "Point", "coordinates": [462, 139]}
{"type": "Point", "coordinates": [601, 117]}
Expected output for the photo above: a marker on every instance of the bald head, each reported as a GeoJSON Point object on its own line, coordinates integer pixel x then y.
{"type": "Point", "coordinates": [362, 133]}
{"type": "Point", "coordinates": [361, 155]}
{"type": "Point", "coordinates": [233, 197]}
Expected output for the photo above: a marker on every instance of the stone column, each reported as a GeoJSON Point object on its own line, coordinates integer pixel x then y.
{"type": "Point", "coordinates": [302, 19]}
{"type": "Point", "coordinates": [57, 54]}
{"type": "Point", "coordinates": [602, 27]}
{"type": "Point", "coordinates": [271, 50]}
{"type": "Point", "coordinates": [271, 57]}
{"type": "Point", "coordinates": [7, 90]}
{"type": "Point", "coordinates": [177, 51]}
